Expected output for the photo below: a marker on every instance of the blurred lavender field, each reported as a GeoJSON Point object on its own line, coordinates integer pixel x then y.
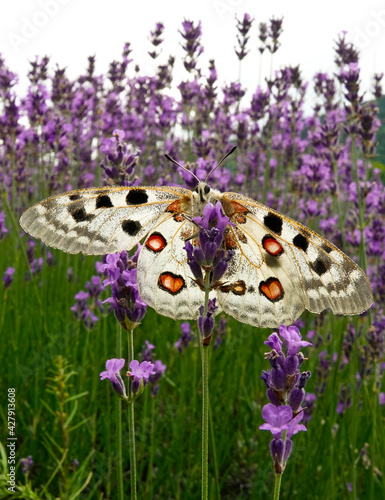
{"type": "Point", "coordinates": [322, 168]}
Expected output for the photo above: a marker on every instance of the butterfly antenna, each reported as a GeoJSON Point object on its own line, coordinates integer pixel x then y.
{"type": "Point", "coordinates": [221, 161]}
{"type": "Point", "coordinates": [181, 166]}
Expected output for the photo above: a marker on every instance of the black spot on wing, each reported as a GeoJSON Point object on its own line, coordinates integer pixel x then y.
{"type": "Point", "coordinates": [79, 214]}
{"type": "Point", "coordinates": [99, 238]}
{"type": "Point", "coordinates": [326, 248]}
{"type": "Point", "coordinates": [273, 222]}
{"type": "Point", "coordinates": [300, 242]}
{"type": "Point", "coordinates": [131, 227]}
{"type": "Point", "coordinates": [75, 197]}
{"type": "Point", "coordinates": [136, 197]}
{"type": "Point", "coordinates": [320, 266]}
{"type": "Point", "coordinates": [103, 201]}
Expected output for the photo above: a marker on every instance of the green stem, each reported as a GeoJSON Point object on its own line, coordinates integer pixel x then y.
{"type": "Point", "coordinates": [205, 403]}
{"type": "Point", "coordinates": [131, 424]}
{"type": "Point", "coordinates": [118, 410]}
{"type": "Point", "coordinates": [214, 455]}
{"type": "Point", "coordinates": [205, 421]}
{"type": "Point", "coordinates": [361, 207]}
{"type": "Point", "coordinates": [337, 202]}
{"type": "Point", "coordinates": [277, 485]}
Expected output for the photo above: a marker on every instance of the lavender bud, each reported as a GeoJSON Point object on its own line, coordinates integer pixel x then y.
{"type": "Point", "coordinates": [296, 397]}
{"type": "Point", "coordinates": [278, 378]}
{"type": "Point", "coordinates": [277, 449]}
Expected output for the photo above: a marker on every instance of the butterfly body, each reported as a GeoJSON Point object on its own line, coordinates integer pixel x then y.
{"type": "Point", "coordinates": [279, 267]}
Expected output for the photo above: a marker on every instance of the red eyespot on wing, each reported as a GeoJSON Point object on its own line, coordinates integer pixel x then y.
{"type": "Point", "coordinates": [238, 208]}
{"type": "Point", "coordinates": [171, 283]}
{"type": "Point", "coordinates": [240, 219]}
{"type": "Point", "coordinates": [272, 246]}
{"type": "Point", "coordinates": [178, 218]}
{"type": "Point", "coordinates": [271, 289]}
{"type": "Point", "coordinates": [231, 208]}
{"type": "Point", "coordinates": [156, 242]}
{"type": "Point", "coordinates": [230, 241]}
{"type": "Point", "coordinates": [174, 207]}
{"type": "Point", "coordinates": [239, 288]}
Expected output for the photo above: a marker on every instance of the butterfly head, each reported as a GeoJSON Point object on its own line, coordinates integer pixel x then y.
{"type": "Point", "coordinates": [204, 191]}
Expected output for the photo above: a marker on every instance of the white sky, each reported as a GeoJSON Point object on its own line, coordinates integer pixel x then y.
{"type": "Point", "coordinates": [71, 30]}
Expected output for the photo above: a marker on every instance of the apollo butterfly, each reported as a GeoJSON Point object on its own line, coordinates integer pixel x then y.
{"type": "Point", "coordinates": [279, 267]}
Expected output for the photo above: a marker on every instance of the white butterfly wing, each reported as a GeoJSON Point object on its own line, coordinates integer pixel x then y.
{"type": "Point", "coordinates": [286, 268]}
{"type": "Point", "coordinates": [97, 221]}
{"type": "Point", "coordinates": [248, 271]}
{"type": "Point", "coordinates": [165, 281]}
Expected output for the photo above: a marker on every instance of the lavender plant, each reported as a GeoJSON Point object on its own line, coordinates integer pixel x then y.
{"type": "Point", "coordinates": [285, 391]}
{"type": "Point", "coordinates": [208, 262]}
{"type": "Point", "coordinates": [318, 166]}
{"type": "Point", "coordinates": [129, 310]}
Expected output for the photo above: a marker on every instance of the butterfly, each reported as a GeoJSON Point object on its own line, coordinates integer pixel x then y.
{"type": "Point", "coordinates": [279, 267]}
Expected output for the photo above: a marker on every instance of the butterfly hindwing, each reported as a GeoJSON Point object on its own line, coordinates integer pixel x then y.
{"type": "Point", "coordinates": [165, 281]}
{"type": "Point", "coordinates": [259, 289]}
{"type": "Point", "coordinates": [101, 220]}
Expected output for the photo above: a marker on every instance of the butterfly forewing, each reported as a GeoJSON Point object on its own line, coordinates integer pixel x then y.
{"type": "Point", "coordinates": [99, 221]}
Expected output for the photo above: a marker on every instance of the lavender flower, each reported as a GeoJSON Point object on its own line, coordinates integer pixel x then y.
{"type": "Point", "coordinates": [121, 159]}
{"type": "Point", "coordinates": [158, 367]}
{"type": "Point", "coordinates": [140, 374]}
{"type": "Point", "coordinates": [346, 53]}
{"type": "Point", "coordinates": [209, 256]}
{"type": "Point", "coordinates": [147, 351]}
{"type": "Point", "coordinates": [192, 34]}
{"type": "Point", "coordinates": [83, 311]}
{"type": "Point", "coordinates": [285, 390]}
{"type": "Point", "coordinates": [113, 374]}
{"type": "Point", "coordinates": [156, 40]}
{"type": "Point", "coordinates": [263, 34]}
{"type": "Point", "coordinates": [277, 418]}
{"type": "Point", "coordinates": [185, 337]}
{"type": "Point", "coordinates": [377, 86]}
{"type": "Point", "coordinates": [128, 307]}
{"type": "Point", "coordinates": [309, 403]}
{"type": "Point", "coordinates": [26, 464]}
{"type": "Point", "coordinates": [220, 332]}
{"type": "Point", "coordinates": [274, 32]}
{"type": "Point", "coordinates": [8, 277]}
{"type": "Point", "coordinates": [243, 28]}
{"type": "Point", "coordinates": [293, 339]}
{"type": "Point", "coordinates": [206, 322]}
{"type": "Point", "coordinates": [3, 228]}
